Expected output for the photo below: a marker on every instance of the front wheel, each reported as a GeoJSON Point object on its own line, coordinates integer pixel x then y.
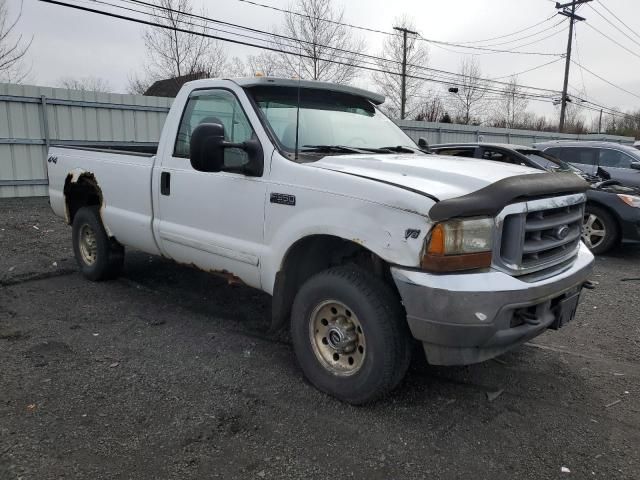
{"type": "Point", "coordinates": [599, 230]}
{"type": "Point", "coordinates": [99, 257]}
{"type": "Point", "coordinates": [350, 334]}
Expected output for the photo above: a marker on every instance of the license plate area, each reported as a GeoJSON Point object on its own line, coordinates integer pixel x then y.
{"type": "Point", "coordinates": [565, 309]}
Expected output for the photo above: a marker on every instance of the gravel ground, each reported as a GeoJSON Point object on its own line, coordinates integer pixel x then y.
{"type": "Point", "coordinates": [168, 373]}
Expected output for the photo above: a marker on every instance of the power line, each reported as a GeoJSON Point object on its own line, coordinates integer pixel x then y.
{"type": "Point", "coordinates": [617, 18]}
{"type": "Point", "coordinates": [614, 41]}
{"type": "Point", "coordinates": [516, 40]}
{"type": "Point", "coordinates": [284, 10]}
{"type": "Point", "coordinates": [528, 70]}
{"type": "Point", "coordinates": [240, 42]}
{"type": "Point", "coordinates": [358, 27]}
{"type": "Point", "coordinates": [614, 25]}
{"type": "Point", "coordinates": [443, 75]}
{"type": "Point", "coordinates": [510, 34]}
{"type": "Point", "coordinates": [605, 80]}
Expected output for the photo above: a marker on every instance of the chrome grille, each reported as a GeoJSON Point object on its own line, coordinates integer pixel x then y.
{"type": "Point", "coordinates": [539, 234]}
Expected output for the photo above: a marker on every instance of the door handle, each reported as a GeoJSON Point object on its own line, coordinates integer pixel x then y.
{"type": "Point", "coordinates": [165, 183]}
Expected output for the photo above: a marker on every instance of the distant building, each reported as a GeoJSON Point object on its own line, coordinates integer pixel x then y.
{"type": "Point", "coordinates": [171, 86]}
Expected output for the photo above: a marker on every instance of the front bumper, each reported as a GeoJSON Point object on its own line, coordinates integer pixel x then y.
{"type": "Point", "coordinates": [630, 223]}
{"type": "Point", "coordinates": [468, 318]}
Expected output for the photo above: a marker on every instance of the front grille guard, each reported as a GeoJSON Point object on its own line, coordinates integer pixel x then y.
{"type": "Point", "coordinates": [516, 236]}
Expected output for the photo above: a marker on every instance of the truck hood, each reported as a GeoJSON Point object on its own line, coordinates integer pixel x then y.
{"type": "Point", "coordinates": [439, 177]}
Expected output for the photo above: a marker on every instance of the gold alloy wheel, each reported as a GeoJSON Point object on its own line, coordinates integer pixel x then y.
{"type": "Point", "coordinates": [337, 338]}
{"type": "Point", "coordinates": [88, 244]}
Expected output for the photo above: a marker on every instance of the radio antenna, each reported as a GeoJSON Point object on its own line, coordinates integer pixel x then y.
{"type": "Point", "coordinates": [298, 104]}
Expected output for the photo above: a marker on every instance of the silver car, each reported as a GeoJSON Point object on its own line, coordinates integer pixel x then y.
{"type": "Point", "coordinates": [622, 162]}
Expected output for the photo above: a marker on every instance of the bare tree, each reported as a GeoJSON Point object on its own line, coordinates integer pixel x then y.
{"type": "Point", "coordinates": [13, 47]}
{"type": "Point", "coordinates": [85, 84]}
{"type": "Point", "coordinates": [138, 85]}
{"type": "Point", "coordinates": [173, 53]}
{"type": "Point", "coordinates": [319, 39]}
{"type": "Point", "coordinates": [470, 98]}
{"type": "Point", "coordinates": [389, 82]}
{"type": "Point", "coordinates": [510, 107]}
{"type": "Point", "coordinates": [573, 119]}
{"type": "Point", "coordinates": [432, 109]}
{"type": "Point", "coordinates": [265, 63]}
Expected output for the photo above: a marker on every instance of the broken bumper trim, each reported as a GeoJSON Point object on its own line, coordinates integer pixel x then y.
{"type": "Point", "coordinates": [468, 318]}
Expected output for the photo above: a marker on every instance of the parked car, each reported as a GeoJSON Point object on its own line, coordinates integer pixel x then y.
{"type": "Point", "coordinates": [612, 213]}
{"type": "Point", "coordinates": [622, 162]}
{"type": "Point", "coordinates": [636, 145]}
{"type": "Point", "coordinates": [307, 191]}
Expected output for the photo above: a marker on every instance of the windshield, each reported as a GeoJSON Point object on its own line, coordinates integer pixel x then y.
{"type": "Point", "coordinates": [330, 122]}
{"type": "Point", "coordinates": [548, 162]}
{"type": "Point", "coordinates": [631, 151]}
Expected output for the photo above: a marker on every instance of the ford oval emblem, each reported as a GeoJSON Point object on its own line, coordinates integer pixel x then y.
{"type": "Point", "coordinates": [562, 232]}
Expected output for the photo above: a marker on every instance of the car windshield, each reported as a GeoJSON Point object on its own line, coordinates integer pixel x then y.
{"type": "Point", "coordinates": [329, 123]}
{"type": "Point", "coordinates": [631, 151]}
{"type": "Point", "coordinates": [548, 162]}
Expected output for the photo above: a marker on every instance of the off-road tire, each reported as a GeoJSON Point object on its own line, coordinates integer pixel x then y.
{"type": "Point", "coordinates": [384, 326]}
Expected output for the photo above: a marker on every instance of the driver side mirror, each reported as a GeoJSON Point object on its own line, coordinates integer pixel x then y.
{"type": "Point", "coordinates": [635, 165]}
{"type": "Point", "coordinates": [208, 146]}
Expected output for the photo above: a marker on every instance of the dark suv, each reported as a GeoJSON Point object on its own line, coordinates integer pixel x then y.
{"type": "Point", "coordinates": [612, 213]}
{"type": "Point", "coordinates": [622, 162]}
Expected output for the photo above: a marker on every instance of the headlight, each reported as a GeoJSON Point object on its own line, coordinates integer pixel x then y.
{"type": "Point", "coordinates": [630, 200]}
{"type": "Point", "coordinates": [459, 245]}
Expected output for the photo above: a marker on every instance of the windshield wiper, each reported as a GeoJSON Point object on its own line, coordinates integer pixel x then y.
{"type": "Point", "coordinates": [400, 149]}
{"type": "Point", "coordinates": [331, 149]}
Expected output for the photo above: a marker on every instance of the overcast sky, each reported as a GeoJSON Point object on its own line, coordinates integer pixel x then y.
{"type": "Point", "coordinates": [79, 44]}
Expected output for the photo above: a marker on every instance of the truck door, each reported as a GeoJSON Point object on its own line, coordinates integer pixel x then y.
{"type": "Point", "coordinates": [213, 220]}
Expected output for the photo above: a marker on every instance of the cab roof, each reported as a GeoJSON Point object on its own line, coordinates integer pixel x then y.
{"type": "Point", "coordinates": [248, 82]}
{"type": "Point", "coordinates": [507, 146]}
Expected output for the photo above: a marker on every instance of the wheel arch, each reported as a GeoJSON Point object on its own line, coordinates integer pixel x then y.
{"type": "Point", "coordinates": [312, 254]}
{"type": "Point", "coordinates": [80, 189]}
{"type": "Point", "coordinates": [610, 210]}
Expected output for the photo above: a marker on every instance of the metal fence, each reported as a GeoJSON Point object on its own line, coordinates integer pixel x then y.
{"type": "Point", "coordinates": [452, 133]}
{"type": "Point", "coordinates": [32, 118]}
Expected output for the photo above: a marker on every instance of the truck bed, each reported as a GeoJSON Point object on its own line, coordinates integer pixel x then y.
{"type": "Point", "coordinates": [123, 178]}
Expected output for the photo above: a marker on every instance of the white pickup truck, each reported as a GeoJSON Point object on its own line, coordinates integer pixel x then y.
{"type": "Point", "coordinates": [364, 240]}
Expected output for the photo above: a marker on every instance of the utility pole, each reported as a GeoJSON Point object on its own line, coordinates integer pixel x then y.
{"type": "Point", "coordinates": [600, 123]}
{"type": "Point", "coordinates": [403, 83]}
{"type": "Point", "coordinates": [571, 13]}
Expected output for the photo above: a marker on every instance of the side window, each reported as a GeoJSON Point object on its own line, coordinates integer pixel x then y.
{"type": "Point", "coordinates": [222, 107]}
{"type": "Point", "coordinates": [614, 158]}
{"type": "Point", "coordinates": [496, 156]}
{"type": "Point", "coordinates": [583, 156]}
{"type": "Point", "coordinates": [586, 156]}
{"type": "Point", "coordinates": [456, 152]}
{"type": "Point", "coordinates": [556, 152]}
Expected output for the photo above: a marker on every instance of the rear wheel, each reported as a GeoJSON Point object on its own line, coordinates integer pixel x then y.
{"type": "Point", "coordinates": [599, 230]}
{"type": "Point", "coordinates": [99, 257]}
{"type": "Point", "coordinates": [350, 335]}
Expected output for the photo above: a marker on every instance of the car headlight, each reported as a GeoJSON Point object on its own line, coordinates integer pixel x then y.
{"type": "Point", "coordinates": [631, 200]}
{"type": "Point", "coordinates": [459, 244]}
